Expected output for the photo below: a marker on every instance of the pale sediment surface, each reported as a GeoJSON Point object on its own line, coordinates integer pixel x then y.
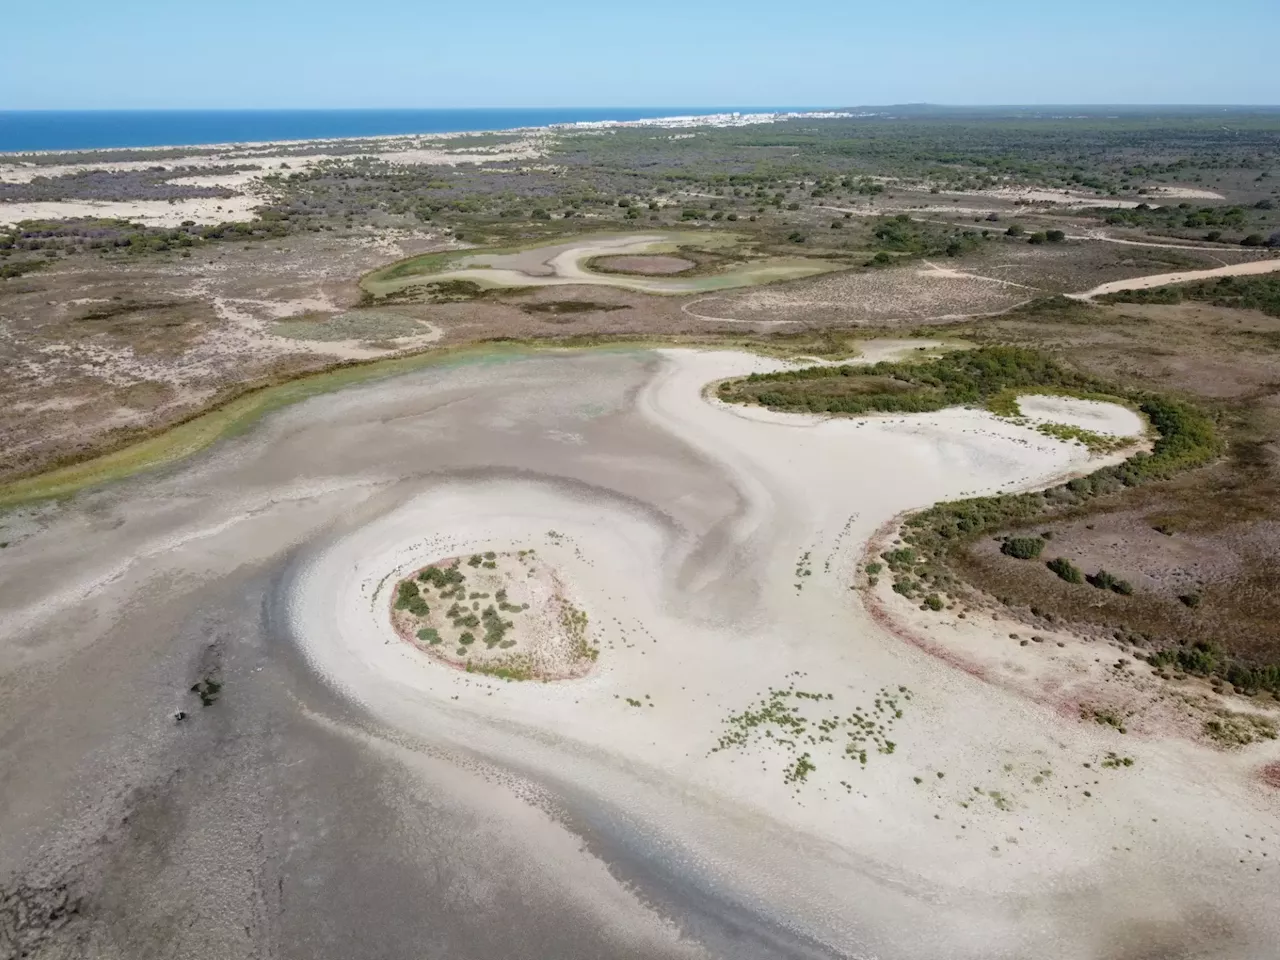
{"type": "Point", "coordinates": [362, 799]}
{"type": "Point", "coordinates": [1109, 419]}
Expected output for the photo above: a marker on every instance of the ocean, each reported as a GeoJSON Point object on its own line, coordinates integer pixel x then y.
{"type": "Point", "coordinates": [103, 129]}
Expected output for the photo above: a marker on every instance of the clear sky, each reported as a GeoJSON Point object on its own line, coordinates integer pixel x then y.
{"type": "Point", "coordinates": [57, 54]}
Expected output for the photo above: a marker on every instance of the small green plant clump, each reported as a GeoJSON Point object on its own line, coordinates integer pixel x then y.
{"type": "Point", "coordinates": [1065, 570]}
{"type": "Point", "coordinates": [574, 622]}
{"type": "Point", "coordinates": [1113, 761]}
{"type": "Point", "coordinates": [783, 718]}
{"type": "Point", "coordinates": [798, 772]}
{"type": "Point", "coordinates": [1094, 442]}
{"type": "Point", "coordinates": [1106, 716]}
{"type": "Point", "coordinates": [1106, 581]}
{"type": "Point", "coordinates": [1231, 729]}
{"type": "Point", "coordinates": [509, 668]}
{"type": "Point", "coordinates": [1201, 658]}
{"type": "Point", "coordinates": [1023, 548]}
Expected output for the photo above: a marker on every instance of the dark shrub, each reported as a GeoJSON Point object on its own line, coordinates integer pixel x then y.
{"type": "Point", "coordinates": [1024, 548]}
{"type": "Point", "coordinates": [1066, 570]}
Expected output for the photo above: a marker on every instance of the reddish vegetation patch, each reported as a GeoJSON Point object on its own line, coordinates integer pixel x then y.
{"type": "Point", "coordinates": [1271, 775]}
{"type": "Point", "coordinates": [650, 266]}
{"type": "Point", "coordinates": [881, 615]}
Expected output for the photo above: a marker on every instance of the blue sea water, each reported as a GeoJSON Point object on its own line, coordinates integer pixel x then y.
{"type": "Point", "coordinates": [101, 129]}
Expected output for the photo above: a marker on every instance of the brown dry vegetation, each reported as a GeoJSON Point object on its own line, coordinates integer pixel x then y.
{"type": "Point", "coordinates": [103, 351]}
{"type": "Point", "coordinates": [1202, 550]}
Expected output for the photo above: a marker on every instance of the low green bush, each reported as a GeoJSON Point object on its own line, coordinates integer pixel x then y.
{"type": "Point", "coordinates": [1066, 570]}
{"type": "Point", "coordinates": [1023, 548]}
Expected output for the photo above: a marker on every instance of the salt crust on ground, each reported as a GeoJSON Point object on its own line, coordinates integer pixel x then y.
{"type": "Point", "coordinates": [1057, 874]}
{"type": "Point", "coordinates": [1106, 418]}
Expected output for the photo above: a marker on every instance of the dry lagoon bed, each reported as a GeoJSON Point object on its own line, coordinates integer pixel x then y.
{"type": "Point", "coordinates": [757, 764]}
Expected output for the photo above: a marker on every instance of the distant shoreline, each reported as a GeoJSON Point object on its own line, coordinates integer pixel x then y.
{"type": "Point", "coordinates": [42, 133]}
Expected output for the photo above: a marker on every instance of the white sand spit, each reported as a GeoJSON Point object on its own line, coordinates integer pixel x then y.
{"type": "Point", "coordinates": [1110, 419]}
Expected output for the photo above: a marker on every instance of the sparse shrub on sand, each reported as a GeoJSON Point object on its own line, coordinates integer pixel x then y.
{"type": "Point", "coordinates": [1106, 581]}
{"type": "Point", "coordinates": [1231, 729]}
{"type": "Point", "coordinates": [1066, 570]}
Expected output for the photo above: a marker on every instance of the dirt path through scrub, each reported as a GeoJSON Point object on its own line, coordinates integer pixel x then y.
{"type": "Point", "coordinates": [1252, 268]}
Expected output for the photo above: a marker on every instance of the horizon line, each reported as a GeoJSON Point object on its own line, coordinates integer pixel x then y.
{"type": "Point", "coordinates": [720, 107]}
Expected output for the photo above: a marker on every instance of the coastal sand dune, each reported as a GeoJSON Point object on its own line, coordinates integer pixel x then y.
{"type": "Point", "coordinates": [401, 801]}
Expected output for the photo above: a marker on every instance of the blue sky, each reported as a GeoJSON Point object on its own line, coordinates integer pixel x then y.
{"type": "Point", "coordinates": [91, 54]}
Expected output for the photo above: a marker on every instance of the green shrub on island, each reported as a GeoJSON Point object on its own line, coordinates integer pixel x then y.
{"type": "Point", "coordinates": [442, 577]}
{"type": "Point", "coordinates": [963, 377]}
{"type": "Point", "coordinates": [406, 593]}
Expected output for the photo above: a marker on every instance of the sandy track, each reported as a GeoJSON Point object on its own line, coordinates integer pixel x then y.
{"type": "Point", "coordinates": [1253, 268]}
{"type": "Point", "coordinates": [688, 310]}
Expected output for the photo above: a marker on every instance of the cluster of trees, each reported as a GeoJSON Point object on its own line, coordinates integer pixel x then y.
{"type": "Point", "coordinates": [90, 235]}
{"type": "Point", "coordinates": [901, 234]}
{"type": "Point", "coordinates": [150, 184]}
{"type": "Point", "coordinates": [1234, 218]}
{"type": "Point", "coordinates": [1207, 659]}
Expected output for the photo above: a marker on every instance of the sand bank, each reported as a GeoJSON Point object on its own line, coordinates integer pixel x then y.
{"type": "Point", "coordinates": [1104, 418]}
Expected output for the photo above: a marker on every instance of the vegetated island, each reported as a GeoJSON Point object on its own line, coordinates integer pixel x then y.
{"type": "Point", "coordinates": [506, 615]}
{"type": "Point", "coordinates": [935, 539]}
